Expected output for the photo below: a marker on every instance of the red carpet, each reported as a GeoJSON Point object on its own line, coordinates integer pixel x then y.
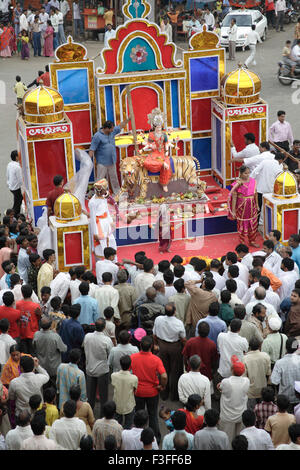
{"type": "Point", "coordinates": [212, 246]}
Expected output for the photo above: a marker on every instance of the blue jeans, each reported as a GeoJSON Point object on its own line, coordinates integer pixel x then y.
{"type": "Point", "coordinates": [37, 43]}
{"type": "Point", "coordinates": [55, 41]}
{"type": "Point", "coordinates": [78, 25]}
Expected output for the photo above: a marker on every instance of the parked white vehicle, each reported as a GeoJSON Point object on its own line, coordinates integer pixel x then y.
{"type": "Point", "coordinates": [244, 20]}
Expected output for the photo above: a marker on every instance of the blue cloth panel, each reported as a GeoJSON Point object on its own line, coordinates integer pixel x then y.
{"type": "Point", "coordinates": [204, 73]}
{"type": "Point", "coordinates": [109, 104]}
{"type": "Point", "coordinates": [218, 144]}
{"type": "Point", "coordinates": [175, 107]}
{"type": "Point", "coordinates": [73, 85]}
{"type": "Point", "coordinates": [202, 151]}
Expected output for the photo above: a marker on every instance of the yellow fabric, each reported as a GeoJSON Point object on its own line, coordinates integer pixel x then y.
{"type": "Point", "coordinates": [45, 276]}
{"type": "Point", "coordinates": [51, 413]}
{"type": "Point", "coordinates": [20, 89]}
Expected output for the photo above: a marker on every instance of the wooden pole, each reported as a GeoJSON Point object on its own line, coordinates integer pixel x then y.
{"type": "Point", "coordinates": [281, 150]}
{"type": "Point", "coordinates": [131, 115]}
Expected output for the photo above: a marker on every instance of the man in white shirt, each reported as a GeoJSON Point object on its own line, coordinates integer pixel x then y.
{"type": "Point", "coordinates": [234, 396]}
{"type": "Point", "coordinates": [244, 255]}
{"type": "Point", "coordinates": [6, 341]}
{"type": "Point", "coordinates": [296, 52]}
{"type": "Point", "coordinates": [194, 26]}
{"type": "Point", "coordinates": [253, 162]}
{"type": "Point", "coordinates": [77, 18]}
{"type": "Point", "coordinates": [272, 260]}
{"type": "Point", "coordinates": [271, 296]}
{"type": "Point", "coordinates": [28, 384]}
{"type": "Point", "coordinates": [54, 21]}
{"type": "Point", "coordinates": [194, 382]}
{"type": "Point", "coordinates": [254, 276]}
{"type": "Point", "coordinates": [280, 7]}
{"type": "Point", "coordinates": [288, 277]}
{"type": "Point", "coordinates": [68, 431]}
{"type": "Point", "coordinates": [39, 441]}
{"type": "Point", "coordinates": [215, 265]}
{"type": "Point", "coordinates": [109, 34]}
{"type": "Point", "coordinates": [166, 27]}
{"type": "Point", "coordinates": [107, 296]}
{"type": "Point", "coordinates": [281, 132]}
{"type": "Point", "coordinates": [232, 36]}
{"type": "Point", "coordinates": [231, 260]}
{"type": "Point", "coordinates": [64, 8]}
{"type": "Point", "coordinates": [231, 343]}
{"type": "Point", "coordinates": [209, 19]}
{"type": "Point", "coordinates": [44, 17]}
{"type": "Point", "coordinates": [4, 6]}
{"type": "Point", "coordinates": [23, 21]}
{"type": "Point", "coordinates": [75, 283]}
{"type": "Point", "coordinates": [145, 279]}
{"type": "Point", "coordinates": [15, 180]}
{"type": "Point", "coordinates": [233, 273]}
{"type": "Point", "coordinates": [61, 283]}
{"type": "Point", "coordinates": [107, 265]}
{"type": "Point", "coordinates": [260, 296]}
{"type": "Point", "coordinates": [15, 437]}
{"type": "Point", "coordinates": [258, 439]}
{"type": "Point", "coordinates": [97, 347]}
{"type": "Point", "coordinates": [251, 41]}
{"type": "Point", "coordinates": [131, 438]}
{"type": "Point", "coordinates": [61, 34]}
{"type": "Point", "coordinates": [250, 150]}
{"type": "Point", "coordinates": [169, 335]}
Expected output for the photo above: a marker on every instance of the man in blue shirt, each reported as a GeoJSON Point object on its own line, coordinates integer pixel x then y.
{"type": "Point", "coordinates": [103, 147]}
{"type": "Point", "coordinates": [294, 241]}
{"type": "Point", "coordinates": [89, 307]}
{"type": "Point", "coordinates": [71, 332]}
{"type": "Point", "coordinates": [216, 324]}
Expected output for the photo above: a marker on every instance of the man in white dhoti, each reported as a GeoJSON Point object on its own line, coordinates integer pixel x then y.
{"type": "Point", "coordinates": [101, 222]}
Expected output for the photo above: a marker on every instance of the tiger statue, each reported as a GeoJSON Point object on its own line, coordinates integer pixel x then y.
{"type": "Point", "coordinates": [134, 174]}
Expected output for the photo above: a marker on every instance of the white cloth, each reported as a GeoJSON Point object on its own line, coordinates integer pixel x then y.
{"type": "Point", "coordinates": [109, 35]}
{"type": "Point", "coordinates": [131, 439]}
{"type": "Point", "coordinates": [64, 7]}
{"type": "Point", "coordinates": [249, 293]}
{"type": "Point", "coordinates": [142, 282]}
{"type": "Point", "coordinates": [3, 284]}
{"type": "Point", "coordinates": [270, 310]}
{"type": "Point", "coordinates": [273, 263]}
{"type": "Point", "coordinates": [288, 280]}
{"type": "Point", "coordinates": [60, 285]}
{"type": "Point", "coordinates": [241, 288]}
{"type": "Point", "coordinates": [6, 341]}
{"type": "Point", "coordinates": [44, 17]}
{"type": "Point", "coordinates": [219, 280]}
{"type": "Point", "coordinates": [235, 300]}
{"type": "Point", "coordinates": [280, 5]}
{"type": "Point", "coordinates": [247, 261]}
{"type": "Point", "coordinates": [243, 272]}
{"type": "Point", "coordinates": [23, 23]}
{"type": "Point", "coordinates": [79, 183]}
{"type": "Point", "coordinates": [229, 344]}
{"type": "Point", "coordinates": [76, 11]}
{"type": "Point", "coordinates": [258, 439]}
{"type": "Point", "coordinates": [107, 296]}
{"type": "Point", "coordinates": [15, 437]}
{"type": "Point", "coordinates": [232, 33]}
{"type": "Point", "coordinates": [209, 19]}
{"type": "Point", "coordinates": [97, 347]}
{"type": "Point", "coordinates": [74, 289]}
{"type": "Point", "coordinates": [265, 174]}
{"type": "Point", "coordinates": [234, 397]}
{"type": "Point", "coordinates": [252, 38]}
{"type": "Point", "coordinates": [170, 291]}
{"type": "Point", "coordinates": [271, 298]}
{"type": "Point", "coordinates": [291, 446]}
{"type": "Point", "coordinates": [28, 384]}
{"type": "Point", "coordinates": [194, 382]}
{"type": "Point", "coordinates": [295, 55]}
{"type": "Point", "coordinates": [54, 22]}
{"type": "Point", "coordinates": [169, 329]}
{"type": "Point", "coordinates": [99, 207]}
{"type": "Point", "coordinates": [106, 266]}
{"type": "Point", "coordinates": [38, 443]}
{"type": "Point", "coordinates": [67, 432]}
{"type": "Point", "coordinates": [19, 296]}
{"type": "Point", "coordinates": [253, 162]}
{"type": "Point", "coordinates": [249, 151]}
{"type": "Point", "coordinates": [14, 176]}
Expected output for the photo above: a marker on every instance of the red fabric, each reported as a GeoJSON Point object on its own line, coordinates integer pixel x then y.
{"type": "Point", "coordinates": [240, 128]}
{"type": "Point", "coordinates": [12, 316]}
{"type": "Point", "coordinates": [149, 98]}
{"type": "Point", "coordinates": [73, 248]}
{"type": "Point", "coordinates": [45, 77]}
{"type": "Point", "coordinates": [201, 114]}
{"type": "Point", "coordinates": [50, 161]}
{"type": "Point", "coordinates": [29, 319]}
{"type": "Point", "coordinates": [53, 195]}
{"type": "Point", "coordinates": [81, 121]}
{"type": "Point", "coordinates": [146, 366]}
{"type": "Point", "coordinates": [206, 349]}
{"type": "Point", "coordinates": [192, 424]}
{"type": "Point", "coordinates": [290, 223]}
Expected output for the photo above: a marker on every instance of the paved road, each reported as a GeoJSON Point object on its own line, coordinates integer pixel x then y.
{"type": "Point", "coordinates": [268, 54]}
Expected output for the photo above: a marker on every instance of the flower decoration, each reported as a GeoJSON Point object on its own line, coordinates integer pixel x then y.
{"type": "Point", "coordinates": [138, 54]}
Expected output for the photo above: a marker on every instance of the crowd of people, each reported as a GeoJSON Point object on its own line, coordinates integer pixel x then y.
{"type": "Point", "coordinates": [91, 359]}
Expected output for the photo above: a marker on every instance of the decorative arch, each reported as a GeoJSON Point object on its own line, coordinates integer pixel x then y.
{"type": "Point", "coordinates": [136, 9]}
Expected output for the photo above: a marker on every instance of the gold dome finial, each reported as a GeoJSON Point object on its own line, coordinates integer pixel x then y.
{"type": "Point", "coordinates": [43, 105]}
{"type": "Point", "coordinates": [71, 52]}
{"type": "Point", "coordinates": [285, 186]}
{"type": "Point", "coordinates": [241, 86]}
{"type": "Point", "coordinates": [67, 208]}
{"type": "Point", "coordinates": [204, 40]}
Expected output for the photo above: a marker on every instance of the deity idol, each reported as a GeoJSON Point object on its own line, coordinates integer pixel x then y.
{"type": "Point", "coordinates": [158, 160]}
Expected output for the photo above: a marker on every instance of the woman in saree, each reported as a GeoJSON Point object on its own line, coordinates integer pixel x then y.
{"type": "Point", "coordinates": [163, 229]}
{"type": "Point", "coordinates": [48, 46]}
{"type": "Point", "coordinates": [5, 40]}
{"type": "Point", "coordinates": [11, 369]}
{"type": "Point", "coordinates": [243, 206]}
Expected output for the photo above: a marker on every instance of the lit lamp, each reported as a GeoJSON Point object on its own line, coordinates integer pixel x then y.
{"type": "Point", "coordinates": [70, 233]}
{"type": "Point", "coordinates": [282, 207]}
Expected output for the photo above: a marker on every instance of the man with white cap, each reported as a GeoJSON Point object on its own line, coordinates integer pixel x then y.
{"type": "Point", "coordinates": [297, 407]}
{"type": "Point", "coordinates": [274, 343]}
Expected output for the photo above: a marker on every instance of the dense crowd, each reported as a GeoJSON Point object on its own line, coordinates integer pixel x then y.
{"type": "Point", "coordinates": [204, 354]}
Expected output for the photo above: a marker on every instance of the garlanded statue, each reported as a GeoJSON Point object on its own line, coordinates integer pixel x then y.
{"type": "Point", "coordinates": [158, 160]}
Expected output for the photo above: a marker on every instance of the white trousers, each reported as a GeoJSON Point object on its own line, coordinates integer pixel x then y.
{"type": "Point", "coordinates": [250, 59]}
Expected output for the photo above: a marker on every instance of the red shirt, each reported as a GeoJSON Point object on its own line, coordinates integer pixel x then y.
{"type": "Point", "coordinates": [53, 195]}
{"type": "Point", "coordinates": [29, 319]}
{"type": "Point", "coordinates": [45, 77]}
{"type": "Point", "coordinates": [192, 424]}
{"type": "Point", "coordinates": [206, 349]}
{"type": "Point", "coordinates": [146, 366]}
{"type": "Point", "coordinates": [12, 316]}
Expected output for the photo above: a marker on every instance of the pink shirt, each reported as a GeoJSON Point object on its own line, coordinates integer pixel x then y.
{"type": "Point", "coordinates": [4, 256]}
{"type": "Point", "coordinates": [281, 131]}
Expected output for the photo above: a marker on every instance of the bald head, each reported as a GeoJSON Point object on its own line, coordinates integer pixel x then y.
{"type": "Point", "coordinates": [180, 441]}
{"type": "Point", "coordinates": [159, 286]}
{"type": "Point", "coordinates": [260, 293]}
{"type": "Point", "coordinates": [151, 293]}
{"type": "Point", "coordinates": [45, 322]}
{"type": "Point", "coordinates": [23, 419]}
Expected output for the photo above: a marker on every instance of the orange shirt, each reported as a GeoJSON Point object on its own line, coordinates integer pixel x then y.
{"type": "Point", "coordinates": [275, 282]}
